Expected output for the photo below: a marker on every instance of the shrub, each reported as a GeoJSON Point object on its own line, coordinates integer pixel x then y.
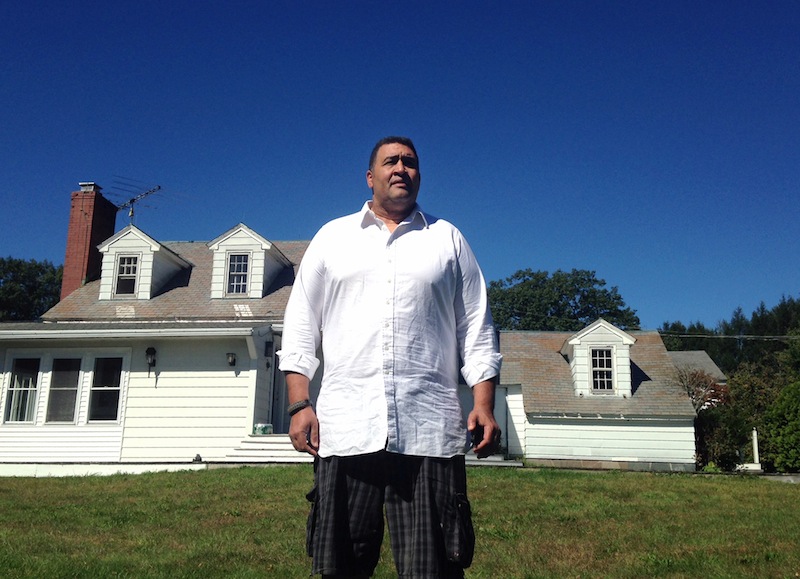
{"type": "Point", "coordinates": [782, 430]}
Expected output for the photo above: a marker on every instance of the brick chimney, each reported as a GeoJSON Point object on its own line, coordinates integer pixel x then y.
{"type": "Point", "coordinates": [92, 219]}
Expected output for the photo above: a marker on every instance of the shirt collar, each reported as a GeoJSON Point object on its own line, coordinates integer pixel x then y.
{"type": "Point", "coordinates": [368, 217]}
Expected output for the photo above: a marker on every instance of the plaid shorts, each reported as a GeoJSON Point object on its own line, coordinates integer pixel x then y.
{"type": "Point", "coordinates": [427, 511]}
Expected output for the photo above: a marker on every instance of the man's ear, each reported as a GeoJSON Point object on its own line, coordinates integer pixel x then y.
{"type": "Point", "coordinates": [369, 178]}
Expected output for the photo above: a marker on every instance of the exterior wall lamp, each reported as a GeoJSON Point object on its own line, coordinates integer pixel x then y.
{"type": "Point", "coordinates": [150, 356]}
{"type": "Point", "coordinates": [231, 358]}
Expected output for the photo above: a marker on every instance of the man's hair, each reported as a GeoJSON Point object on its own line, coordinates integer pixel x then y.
{"type": "Point", "coordinates": [386, 141]}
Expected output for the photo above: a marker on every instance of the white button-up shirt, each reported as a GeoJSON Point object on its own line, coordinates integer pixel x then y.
{"type": "Point", "coordinates": [397, 314]}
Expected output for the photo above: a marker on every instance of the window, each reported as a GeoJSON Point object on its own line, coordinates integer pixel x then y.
{"type": "Point", "coordinates": [63, 395]}
{"type": "Point", "coordinates": [237, 273]}
{"type": "Point", "coordinates": [127, 266]}
{"type": "Point", "coordinates": [21, 401]}
{"type": "Point", "coordinates": [602, 373]}
{"type": "Point", "coordinates": [105, 394]}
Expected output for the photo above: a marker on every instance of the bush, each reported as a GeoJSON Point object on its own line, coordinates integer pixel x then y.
{"type": "Point", "coordinates": [721, 433]}
{"type": "Point", "coordinates": [782, 430]}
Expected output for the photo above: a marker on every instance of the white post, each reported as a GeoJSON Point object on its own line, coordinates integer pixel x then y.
{"type": "Point", "coordinates": [755, 447]}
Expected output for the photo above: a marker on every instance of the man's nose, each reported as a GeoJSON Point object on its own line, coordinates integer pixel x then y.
{"type": "Point", "coordinates": [399, 167]}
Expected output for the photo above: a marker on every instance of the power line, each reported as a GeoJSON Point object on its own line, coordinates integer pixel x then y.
{"type": "Point", "coordinates": [732, 337]}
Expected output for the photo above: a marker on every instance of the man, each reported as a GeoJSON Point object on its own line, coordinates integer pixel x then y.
{"type": "Point", "coordinates": [398, 303]}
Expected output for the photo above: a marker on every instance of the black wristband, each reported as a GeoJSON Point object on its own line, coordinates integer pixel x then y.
{"type": "Point", "coordinates": [298, 406]}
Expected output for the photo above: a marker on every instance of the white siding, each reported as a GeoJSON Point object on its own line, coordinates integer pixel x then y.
{"type": "Point", "coordinates": [668, 441]}
{"type": "Point", "coordinates": [60, 443]}
{"type": "Point", "coordinates": [516, 421]}
{"type": "Point", "coordinates": [193, 403]}
{"type": "Point", "coordinates": [79, 441]}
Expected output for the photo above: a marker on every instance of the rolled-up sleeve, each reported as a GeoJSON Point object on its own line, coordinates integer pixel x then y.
{"type": "Point", "coordinates": [302, 321]}
{"type": "Point", "coordinates": [477, 339]}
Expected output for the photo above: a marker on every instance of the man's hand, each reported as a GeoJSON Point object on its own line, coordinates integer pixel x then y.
{"type": "Point", "coordinates": [304, 431]}
{"type": "Point", "coordinates": [481, 422]}
{"type": "Point", "coordinates": [304, 427]}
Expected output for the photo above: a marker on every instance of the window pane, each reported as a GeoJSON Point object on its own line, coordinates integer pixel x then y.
{"type": "Point", "coordinates": [107, 372]}
{"type": "Point", "coordinates": [103, 405]}
{"type": "Point", "coordinates": [126, 286]}
{"type": "Point", "coordinates": [21, 404]}
{"type": "Point", "coordinates": [63, 390]}
{"type": "Point", "coordinates": [61, 405]}
{"type": "Point", "coordinates": [104, 398]}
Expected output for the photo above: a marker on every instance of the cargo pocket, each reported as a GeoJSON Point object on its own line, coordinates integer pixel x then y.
{"type": "Point", "coordinates": [459, 536]}
{"type": "Point", "coordinates": [311, 523]}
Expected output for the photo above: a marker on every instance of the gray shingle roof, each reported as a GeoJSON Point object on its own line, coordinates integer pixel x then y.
{"type": "Point", "coordinates": [187, 297]}
{"type": "Point", "coordinates": [533, 360]}
{"type": "Point", "coordinates": [698, 360]}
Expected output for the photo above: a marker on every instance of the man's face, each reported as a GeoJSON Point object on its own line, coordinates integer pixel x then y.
{"type": "Point", "coordinates": [394, 180]}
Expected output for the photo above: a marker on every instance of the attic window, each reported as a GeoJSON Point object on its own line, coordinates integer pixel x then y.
{"type": "Point", "coordinates": [127, 268]}
{"type": "Point", "coordinates": [602, 371]}
{"type": "Point", "coordinates": [238, 265]}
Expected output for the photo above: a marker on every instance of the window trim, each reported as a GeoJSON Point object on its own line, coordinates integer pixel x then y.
{"type": "Point", "coordinates": [104, 389]}
{"type": "Point", "coordinates": [78, 387]}
{"type": "Point", "coordinates": [32, 398]}
{"type": "Point", "coordinates": [611, 370]}
{"type": "Point", "coordinates": [135, 276]}
{"type": "Point", "coordinates": [229, 255]}
{"type": "Point", "coordinates": [46, 358]}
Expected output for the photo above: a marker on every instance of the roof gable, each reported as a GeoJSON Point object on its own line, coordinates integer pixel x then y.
{"type": "Point", "coordinates": [236, 235]}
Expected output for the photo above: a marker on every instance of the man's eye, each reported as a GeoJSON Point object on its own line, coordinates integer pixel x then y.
{"type": "Point", "coordinates": [410, 162]}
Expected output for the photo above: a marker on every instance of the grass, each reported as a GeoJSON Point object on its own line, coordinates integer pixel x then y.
{"type": "Point", "coordinates": [250, 522]}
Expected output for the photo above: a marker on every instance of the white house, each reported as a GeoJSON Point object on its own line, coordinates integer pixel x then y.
{"type": "Point", "coordinates": [598, 398]}
{"type": "Point", "coordinates": [161, 355]}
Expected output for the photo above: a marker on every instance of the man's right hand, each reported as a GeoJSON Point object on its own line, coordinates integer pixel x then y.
{"type": "Point", "coordinates": [304, 431]}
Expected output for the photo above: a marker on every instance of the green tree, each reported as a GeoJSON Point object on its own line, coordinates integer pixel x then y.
{"type": "Point", "coordinates": [563, 301]}
{"type": "Point", "coordinates": [28, 288]}
{"type": "Point", "coordinates": [782, 431]}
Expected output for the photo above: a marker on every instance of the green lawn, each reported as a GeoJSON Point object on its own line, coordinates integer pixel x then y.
{"type": "Point", "coordinates": [250, 522]}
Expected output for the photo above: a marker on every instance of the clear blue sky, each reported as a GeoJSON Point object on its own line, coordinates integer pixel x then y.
{"type": "Point", "coordinates": [656, 143]}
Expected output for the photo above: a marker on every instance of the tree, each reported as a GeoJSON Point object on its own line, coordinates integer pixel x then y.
{"type": "Point", "coordinates": [702, 388]}
{"type": "Point", "coordinates": [27, 288]}
{"type": "Point", "coordinates": [782, 430]}
{"type": "Point", "coordinates": [535, 300]}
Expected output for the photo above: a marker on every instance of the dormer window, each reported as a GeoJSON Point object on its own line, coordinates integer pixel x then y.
{"type": "Point", "coordinates": [599, 357]}
{"type": "Point", "coordinates": [602, 371]}
{"type": "Point", "coordinates": [245, 264]}
{"type": "Point", "coordinates": [127, 269]}
{"type": "Point", "coordinates": [136, 266]}
{"type": "Point", "coordinates": [238, 267]}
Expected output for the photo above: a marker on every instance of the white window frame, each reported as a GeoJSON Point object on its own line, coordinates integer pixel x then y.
{"type": "Point", "coordinates": [245, 285]}
{"type": "Point", "coordinates": [610, 370]}
{"type": "Point", "coordinates": [102, 389]}
{"type": "Point", "coordinates": [51, 388]}
{"type": "Point", "coordinates": [137, 265]}
{"type": "Point", "coordinates": [88, 357]}
{"type": "Point", "coordinates": [14, 393]}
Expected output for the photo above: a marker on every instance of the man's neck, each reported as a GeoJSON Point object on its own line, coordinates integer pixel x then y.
{"type": "Point", "coordinates": [391, 219]}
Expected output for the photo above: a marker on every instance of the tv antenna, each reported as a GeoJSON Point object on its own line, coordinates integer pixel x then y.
{"type": "Point", "coordinates": [133, 200]}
